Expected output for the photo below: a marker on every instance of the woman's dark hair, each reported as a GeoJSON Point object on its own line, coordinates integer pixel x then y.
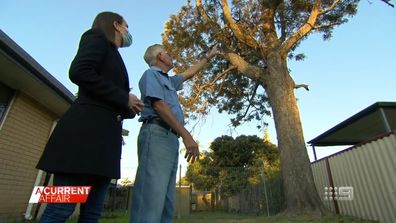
{"type": "Point", "coordinates": [104, 22]}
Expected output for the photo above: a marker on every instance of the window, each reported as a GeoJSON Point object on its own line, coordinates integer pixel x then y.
{"type": "Point", "coordinates": [6, 95]}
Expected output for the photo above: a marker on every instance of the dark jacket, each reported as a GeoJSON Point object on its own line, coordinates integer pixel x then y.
{"type": "Point", "coordinates": [87, 139]}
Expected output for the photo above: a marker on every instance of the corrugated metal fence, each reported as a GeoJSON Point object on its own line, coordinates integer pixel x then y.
{"type": "Point", "coordinates": [360, 181]}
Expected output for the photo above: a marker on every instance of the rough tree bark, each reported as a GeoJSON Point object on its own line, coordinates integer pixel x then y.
{"type": "Point", "coordinates": [298, 180]}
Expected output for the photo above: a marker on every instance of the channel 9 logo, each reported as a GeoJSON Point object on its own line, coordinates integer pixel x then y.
{"type": "Point", "coordinates": [338, 193]}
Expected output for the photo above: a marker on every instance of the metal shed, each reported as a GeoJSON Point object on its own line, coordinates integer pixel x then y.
{"type": "Point", "coordinates": [376, 120]}
{"type": "Point", "coordinates": [360, 180]}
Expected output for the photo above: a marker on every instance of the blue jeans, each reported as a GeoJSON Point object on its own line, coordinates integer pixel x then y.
{"type": "Point", "coordinates": [90, 211]}
{"type": "Point", "coordinates": [154, 191]}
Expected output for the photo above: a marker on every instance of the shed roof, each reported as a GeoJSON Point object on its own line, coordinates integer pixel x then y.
{"type": "Point", "coordinates": [373, 121]}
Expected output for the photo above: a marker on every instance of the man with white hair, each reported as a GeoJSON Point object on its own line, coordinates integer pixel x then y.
{"type": "Point", "coordinates": [158, 144]}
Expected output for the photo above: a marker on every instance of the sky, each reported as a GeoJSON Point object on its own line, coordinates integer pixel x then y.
{"type": "Point", "coordinates": [346, 74]}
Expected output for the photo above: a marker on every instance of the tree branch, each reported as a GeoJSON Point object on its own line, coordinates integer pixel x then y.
{"type": "Point", "coordinates": [303, 31]}
{"type": "Point", "coordinates": [240, 35]}
{"type": "Point", "coordinates": [302, 85]}
{"type": "Point", "coordinates": [332, 6]}
{"type": "Point", "coordinates": [253, 72]}
{"type": "Point", "coordinates": [388, 3]}
{"type": "Point", "coordinates": [202, 11]}
{"type": "Point", "coordinates": [283, 24]}
{"type": "Point", "coordinates": [251, 99]}
{"type": "Point", "coordinates": [327, 25]}
{"type": "Point", "coordinates": [200, 88]}
{"type": "Point", "coordinates": [268, 18]}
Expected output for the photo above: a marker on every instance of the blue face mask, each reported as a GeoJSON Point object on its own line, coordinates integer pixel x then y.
{"type": "Point", "coordinates": [126, 39]}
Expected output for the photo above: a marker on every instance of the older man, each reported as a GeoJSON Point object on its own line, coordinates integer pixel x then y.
{"type": "Point", "coordinates": [158, 143]}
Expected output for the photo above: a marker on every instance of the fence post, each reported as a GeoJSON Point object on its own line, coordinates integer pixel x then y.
{"type": "Point", "coordinates": [179, 206]}
{"type": "Point", "coordinates": [265, 193]}
{"type": "Point", "coordinates": [128, 197]}
{"type": "Point", "coordinates": [114, 196]}
{"type": "Point", "coordinates": [190, 200]}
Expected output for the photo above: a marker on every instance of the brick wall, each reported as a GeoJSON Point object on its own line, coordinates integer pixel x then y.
{"type": "Point", "coordinates": [22, 139]}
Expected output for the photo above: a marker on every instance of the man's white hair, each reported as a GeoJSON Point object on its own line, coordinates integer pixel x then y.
{"type": "Point", "coordinates": [152, 52]}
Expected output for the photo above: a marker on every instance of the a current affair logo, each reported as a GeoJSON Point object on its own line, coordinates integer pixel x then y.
{"type": "Point", "coordinates": [59, 194]}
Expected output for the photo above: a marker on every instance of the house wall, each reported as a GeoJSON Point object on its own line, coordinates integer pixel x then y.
{"type": "Point", "coordinates": [370, 169]}
{"type": "Point", "coordinates": [22, 139]}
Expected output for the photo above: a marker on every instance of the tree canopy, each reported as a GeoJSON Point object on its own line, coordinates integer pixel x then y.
{"type": "Point", "coordinates": [247, 32]}
{"type": "Point", "coordinates": [231, 164]}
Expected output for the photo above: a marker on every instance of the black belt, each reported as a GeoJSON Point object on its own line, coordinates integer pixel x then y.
{"type": "Point", "coordinates": [161, 123]}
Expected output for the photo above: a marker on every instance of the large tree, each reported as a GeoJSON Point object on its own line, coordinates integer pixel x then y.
{"type": "Point", "coordinates": [250, 77]}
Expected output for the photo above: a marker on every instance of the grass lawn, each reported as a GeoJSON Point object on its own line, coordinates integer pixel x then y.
{"type": "Point", "coordinates": [222, 217]}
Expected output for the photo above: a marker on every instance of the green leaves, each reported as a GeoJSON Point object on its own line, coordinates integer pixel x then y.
{"type": "Point", "coordinates": [232, 164]}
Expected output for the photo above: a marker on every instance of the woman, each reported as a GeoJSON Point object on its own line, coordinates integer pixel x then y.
{"type": "Point", "coordinates": [85, 147]}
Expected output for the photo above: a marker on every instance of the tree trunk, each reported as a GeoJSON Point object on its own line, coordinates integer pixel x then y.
{"type": "Point", "coordinates": [300, 191]}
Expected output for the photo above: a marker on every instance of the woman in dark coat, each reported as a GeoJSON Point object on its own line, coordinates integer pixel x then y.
{"type": "Point", "coordinates": [85, 147]}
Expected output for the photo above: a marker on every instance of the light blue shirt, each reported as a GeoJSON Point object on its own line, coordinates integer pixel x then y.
{"type": "Point", "coordinates": [154, 84]}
